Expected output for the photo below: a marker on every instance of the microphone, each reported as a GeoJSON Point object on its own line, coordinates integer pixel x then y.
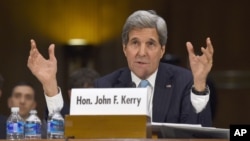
{"type": "Point", "coordinates": [132, 85]}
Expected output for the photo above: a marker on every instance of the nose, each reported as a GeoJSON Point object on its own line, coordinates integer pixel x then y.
{"type": "Point", "coordinates": [142, 50]}
{"type": "Point", "coordinates": [22, 100]}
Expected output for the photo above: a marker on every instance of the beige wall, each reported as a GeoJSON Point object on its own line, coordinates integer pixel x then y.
{"type": "Point", "coordinates": [227, 23]}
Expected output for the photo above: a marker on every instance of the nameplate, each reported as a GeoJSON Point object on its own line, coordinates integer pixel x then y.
{"type": "Point", "coordinates": [109, 101]}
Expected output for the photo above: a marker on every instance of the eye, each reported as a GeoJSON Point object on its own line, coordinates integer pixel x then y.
{"type": "Point", "coordinates": [134, 42]}
{"type": "Point", "coordinates": [28, 97]}
{"type": "Point", "coordinates": [151, 44]}
{"type": "Point", "coordinates": [17, 95]}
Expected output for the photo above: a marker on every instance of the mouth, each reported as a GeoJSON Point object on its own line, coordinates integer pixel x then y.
{"type": "Point", "coordinates": [141, 63]}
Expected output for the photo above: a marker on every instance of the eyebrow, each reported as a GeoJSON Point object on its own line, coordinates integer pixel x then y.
{"type": "Point", "coordinates": [152, 40]}
{"type": "Point", "coordinates": [25, 95]}
{"type": "Point", "coordinates": [29, 96]}
{"type": "Point", "coordinates": [134, 38]}
{"type": "Point", "coordinates": [16, 94]}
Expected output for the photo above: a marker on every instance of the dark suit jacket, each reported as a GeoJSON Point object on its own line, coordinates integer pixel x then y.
{"type": "Point", "coordinates": [3, 120]}
{"type": "Point", "coordinates": [171, 100]}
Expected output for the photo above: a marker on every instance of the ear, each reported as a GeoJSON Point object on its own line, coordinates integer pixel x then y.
{"type": "Point", "coordinates": [0, 93]}
{"type": "Point", "coordinates": [124, 49]}
{"type": "Point", "coordinates": [34, 105]}
{"type": "Point", "coordinates": [162, 50]}
{"type": "Point", "coordinates": [10, 104]}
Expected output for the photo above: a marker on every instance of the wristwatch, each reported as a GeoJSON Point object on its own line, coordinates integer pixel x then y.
{"type": "Point", "coordinates": [200, 92]}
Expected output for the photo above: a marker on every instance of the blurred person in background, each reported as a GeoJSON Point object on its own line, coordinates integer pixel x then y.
{"type": "Point", "coordinates": [2, 117]}
{"type": "Point", "coordinates": [23, 96]}
{"type": "Point", "coordinates": [80, 78]}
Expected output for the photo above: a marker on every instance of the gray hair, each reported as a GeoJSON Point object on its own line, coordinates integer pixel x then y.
{"type": "Point", "coordinates": [145, 19]}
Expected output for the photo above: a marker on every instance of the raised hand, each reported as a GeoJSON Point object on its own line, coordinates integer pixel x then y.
{"type": "Point", "coordinates": [200, 65]}
{"type": "Point", "coordinates": [44, 69]}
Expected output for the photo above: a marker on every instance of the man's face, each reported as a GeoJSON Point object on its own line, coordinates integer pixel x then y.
{"type": "Point", "coordinates": [143, 51]}
{"type": "Point", "coordinates": [24, 98]}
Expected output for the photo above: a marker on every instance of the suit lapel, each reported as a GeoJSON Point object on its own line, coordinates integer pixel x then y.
{"type": "Point", "coordinates": [124, 79]}
{"type": "Point", "coordinates": [162, 93]}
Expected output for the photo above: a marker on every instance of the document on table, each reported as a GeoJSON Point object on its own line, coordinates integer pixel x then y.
{"type": "Point", "coordinates": [172, 130]}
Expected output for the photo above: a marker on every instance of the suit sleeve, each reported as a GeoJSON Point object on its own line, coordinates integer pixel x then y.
{"type": "Point", "coordinates": [189, 113]}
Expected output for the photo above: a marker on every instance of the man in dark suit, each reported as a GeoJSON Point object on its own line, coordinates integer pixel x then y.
{"type": "Point", "coordinates": [176, 94]}
{"type": "Point", "coordinates": [3, 119]}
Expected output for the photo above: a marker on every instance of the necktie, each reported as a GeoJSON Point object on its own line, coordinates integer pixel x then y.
{"type": "Point", "coordinates": [143, 84]}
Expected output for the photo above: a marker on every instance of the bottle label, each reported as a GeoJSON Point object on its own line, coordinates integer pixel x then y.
{"type": "Point", "coordinates": [15, 127]}
{"type": "Point", "coordinates": [32, 128]}
{"type": "Point", "coordinates": [48, 127]}
{"type": "Point", "coordinates": [56, 126]}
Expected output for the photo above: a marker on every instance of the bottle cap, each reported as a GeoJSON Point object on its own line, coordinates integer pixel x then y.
{"type": "Point", "coordinates": [33, 111]}
{"type": "Point", "coordinates": [14, 109]}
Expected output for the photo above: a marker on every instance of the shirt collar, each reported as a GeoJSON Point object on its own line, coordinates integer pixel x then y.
{"type": "Point", "coordinates": [151, 79]}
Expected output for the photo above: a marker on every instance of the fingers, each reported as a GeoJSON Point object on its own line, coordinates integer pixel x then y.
{"type": "Point", "coordinates": [208, 57]}
{"type": "Point", "coordinates": [32, 52]}
{"type": "Point", "coordinates": [208, 51]}
{"type": "Point", "coordinates": [209, 45]}
{"type": "Point", "coordinates": [33, 43]}
{"type": "Point", "coordinates": [33, 46]}
{"type": "Point", "coordinates": [52, 52]}
{"type": "Point", "coordinates": [190, 49]}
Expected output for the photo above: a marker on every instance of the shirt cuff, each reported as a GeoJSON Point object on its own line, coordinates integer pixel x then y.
{"type": "Point", "coordinates": [54, 103]}
{"type": "Point", "coordinates": [199, 102]}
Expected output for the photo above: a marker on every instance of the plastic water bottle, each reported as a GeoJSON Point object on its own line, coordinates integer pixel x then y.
{"type": "Point", "coordinates": [33, 126]}
{"type": "Point", "coordinates": [15, 125]}
{"type": "Point", "coordinates": [48, 126]}
{"type": "Point", "coordinates": [55, 126]}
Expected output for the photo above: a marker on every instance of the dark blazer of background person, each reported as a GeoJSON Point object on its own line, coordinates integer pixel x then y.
{"type": "Point", "coordinates": [3, 120]}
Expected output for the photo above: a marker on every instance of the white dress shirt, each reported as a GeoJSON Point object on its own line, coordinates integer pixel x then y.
{"type": "Point", "coordinates": [198, 101]}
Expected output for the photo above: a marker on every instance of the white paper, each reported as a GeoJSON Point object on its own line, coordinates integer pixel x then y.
{"type": "Point", "coordinates": [172, 130]}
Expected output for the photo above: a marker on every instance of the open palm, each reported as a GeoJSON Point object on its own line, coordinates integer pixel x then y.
{"type": "Point", "coordinates": [202, 64]}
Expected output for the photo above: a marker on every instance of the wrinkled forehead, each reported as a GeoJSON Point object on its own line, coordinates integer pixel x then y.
{"type": "Point", "coordinates": [146, 33]}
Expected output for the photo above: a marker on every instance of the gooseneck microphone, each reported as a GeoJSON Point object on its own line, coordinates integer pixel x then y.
{"type": "Point", "coordinates": [132, 85]}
